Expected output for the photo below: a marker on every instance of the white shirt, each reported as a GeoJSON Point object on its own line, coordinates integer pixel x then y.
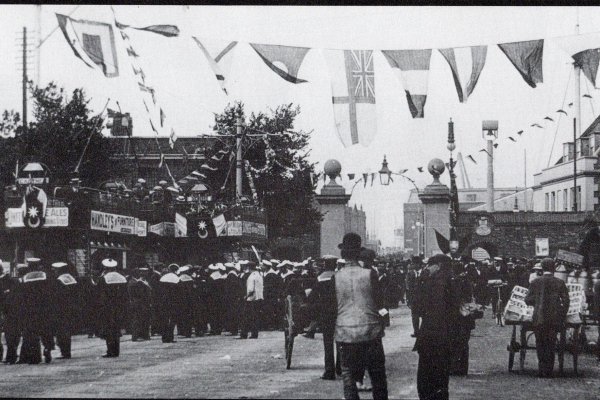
{"type": "Point", "coordinates": [254, 287]}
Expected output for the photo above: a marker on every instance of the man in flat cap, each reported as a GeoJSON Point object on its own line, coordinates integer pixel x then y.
{"type": "Point", "coordinates": [549, 297]}
{"type": "Point", "coordinates": [358, 327]}
{"type": "Point", "coordinates": [112, 293]}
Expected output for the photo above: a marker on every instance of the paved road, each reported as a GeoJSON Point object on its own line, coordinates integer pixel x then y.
{"type": "Point", "coordinates": [223, 367]}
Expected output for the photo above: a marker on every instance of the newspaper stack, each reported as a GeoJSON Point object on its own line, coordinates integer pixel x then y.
{"type": "Point", "coordinates": [516, 309]}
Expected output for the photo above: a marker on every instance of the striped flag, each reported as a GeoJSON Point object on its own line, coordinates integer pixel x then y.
{"type": "Point", "coordinates": [466, 64]}
{"type": "Point", "coordinates": [221, 63]}
{"type": "Point", "coordinates": [289, 57]}
{"type": "Point", "coordinates": [353, 95]}
{"type": "Point", "coordinates": [526, 58]}
{"type": "Point", "coordinates": [92, 42]}
{"type": "Point", "coordinates": [412, 69]}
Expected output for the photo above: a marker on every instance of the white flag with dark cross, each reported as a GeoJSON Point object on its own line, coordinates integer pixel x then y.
{"type": "Point", "coordinates": [352, 76]}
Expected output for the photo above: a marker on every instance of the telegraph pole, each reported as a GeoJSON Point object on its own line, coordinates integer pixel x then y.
{"type": "Point", "coordinates": [238, 161]}
{"type": "Point", "coordinates": [24, 83]}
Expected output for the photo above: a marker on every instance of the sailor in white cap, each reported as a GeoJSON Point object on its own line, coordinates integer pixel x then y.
{"type": "Point", "coordinates": [272, 286]}
{"type": "Point", "coordinates": [216, 298]}
{"type": "Point", "coordinates": [167, 311]}
{"type": "Point", "coordinates": [67, 290]}
{"type": "Point", "coordinates": [185, 307]}
{"type": "Point", "coordinates": [37, 310]}
{"type": "Point", "coordinates": [112, 290]}
{"type": "Point", "coordinates": [233, 296]}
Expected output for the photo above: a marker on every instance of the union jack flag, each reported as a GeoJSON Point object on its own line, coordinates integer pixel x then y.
{"type": "Point", "coordinates": [363, 74]}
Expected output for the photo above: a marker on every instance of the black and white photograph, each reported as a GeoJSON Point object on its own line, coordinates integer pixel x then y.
{"type": "Point", "coordinates": [300, 201]}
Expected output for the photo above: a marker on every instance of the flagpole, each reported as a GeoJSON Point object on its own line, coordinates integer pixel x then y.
{"type": "Point", "coordinates": [90, 137]}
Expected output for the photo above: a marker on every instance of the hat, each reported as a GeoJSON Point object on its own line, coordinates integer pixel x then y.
{"type": "Point", "coordinates": [33, 260]}
{"type": "Point", "coordinates": [59, 265]}
{"type": "Point", "coordinates": [485, 262]}
{"type": "Point", "coordinates": [537, 266]}
{"type": "Point", "coordinates": [229, 265]}
{"type": "Point", "coordinates": [497, 258]}
{"type": "Point", "coordinates": [548, 264]}
{"type": "Point", "coordinates": [162, 182]}
{"type": "Point", "coordinates": [183, 269]}
{"type": "Point", "coordinates": [275, 261]}
{"type": "Point", "coordinates": [351, 241]}
{"type": "Point", "coordinates": [213, 267]}
{"type": "Point", "coordinates": [141, 180]}
{"type": "Point", "coordinates": [109, 263]}
{"type": "Point", "coordinates": [341, 261]}
{"type": "Point", "coordinates": [221, 266]}
{"type": "Point", "coordinates": [267, 263]}
{"type": "Point", "coordinates": [439, 259]}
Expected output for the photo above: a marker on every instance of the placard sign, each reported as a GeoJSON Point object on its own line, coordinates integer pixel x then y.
{"type": "Point", "coordinates": [102, 221]}
{"type": "Point", "coordinates": [234, 228]}
{"type": "Point", "coordinates": [517, 310]}
{"type": "Point", "coordinates": [569, 257]}
{"type": "Point", "coordinates": [55, 217]}
{"type": "Point", "coordinates": [141, 227]}
{"type": "Point", "coordinates": [542, 247]}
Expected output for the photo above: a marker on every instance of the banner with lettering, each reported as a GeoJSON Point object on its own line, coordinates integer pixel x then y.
{"type": "Point", "coordinates": [107, 222]}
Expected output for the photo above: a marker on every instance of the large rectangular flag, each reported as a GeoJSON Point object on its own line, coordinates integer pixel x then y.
{"type": "Point", "coordinates": [352, 77]}
{"type": "Point", "coordinates": [93, 42]}
{"type": "Point", "coordinates": [466, 64]}
{"type": "Point", "coordinates": [412, 69]}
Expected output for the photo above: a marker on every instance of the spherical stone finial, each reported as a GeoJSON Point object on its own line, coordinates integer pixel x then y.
{"type": "Point", "coordinates": [436, 168]}
{"type": "Point", "coordinates": [332, 169]}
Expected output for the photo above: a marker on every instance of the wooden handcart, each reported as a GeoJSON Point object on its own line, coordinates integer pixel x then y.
{"type": "Point", "coordinates": [521, 344]}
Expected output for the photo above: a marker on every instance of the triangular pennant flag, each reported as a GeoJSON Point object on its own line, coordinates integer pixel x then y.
{"type": "Point", "coordinates": [442, 242]}
{"type": "Point", "coordinates": [162, 118]}
{"type": "Point", "coordinates": [420, 169]}
{"type": "Point", "coordinates": [139, 72]}
{"type": "Point", "coordinates": [466, 64]}
{"type": "Point", "coordinates": [351, 177]}
{"type": "Point", "coordinates": [403, 171]}
{"type": "Point", "coordinates": [131, 52]}
{"type": "Point", "coordinates": [372, 178]}
{"type": "Point", "coordinates": [412, 69]}
{"type": "Point", "coordinates": [93, 42]}
{"type": "Point", "coordinates": [199, 174]}
{"type": "Point", "coordinates": [527, 59]}
{"type": "Point", "coordinates": [208, 167]}
{"type": "Point", "coordinates": [289, 57]}
{"type": "Point", "coordinates": [215, 158]}
{"type": "Point", "coordinates": [146, 106]}
{"type": "Point", "coordinates": [221, 62]}
{"type": "Point", "coordinates": [470, 157]}
{"type": "Point", "coordinates": [124, 35]}
{"type": "Point", "coordinates": [172, 138]}
{"type": "Point", "coordinates": [365, 179]}
{"type": "Point", "coordinates": [165, 30]}
{"type": "Point", "coordinates": [585, 50]}
{"type": "Point", "coordinates": [152, 126]}
{"type": "Point", "coordinates": [588, 61]}
{"type": "Point", "coordinates": [353, 95]}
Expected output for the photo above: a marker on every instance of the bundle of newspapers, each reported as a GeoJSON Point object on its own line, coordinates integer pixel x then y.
{"type": "Point", "coordinates": [516, 310]}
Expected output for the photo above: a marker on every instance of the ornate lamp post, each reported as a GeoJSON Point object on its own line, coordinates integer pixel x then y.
{"type": "Point", "coordinates": [385, 175]}
{"type": "Point", "coordinates": [453, 192]}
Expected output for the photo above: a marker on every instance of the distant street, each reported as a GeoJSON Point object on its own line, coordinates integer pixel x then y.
{"type": "Point", "coordinates": [223, 367]}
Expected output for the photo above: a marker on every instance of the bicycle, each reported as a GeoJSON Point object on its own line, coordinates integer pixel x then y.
{"type": "Point", "coordinates": [498, 285]}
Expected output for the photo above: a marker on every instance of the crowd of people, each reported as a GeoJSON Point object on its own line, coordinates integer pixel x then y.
{"type": "Point", "coordinates": [347, 299]}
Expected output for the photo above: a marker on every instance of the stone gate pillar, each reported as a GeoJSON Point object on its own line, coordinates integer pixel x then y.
{"type": "Point", "coordinates": [332, 200]}
{"type": "Point", "coordinates": [436, 215]}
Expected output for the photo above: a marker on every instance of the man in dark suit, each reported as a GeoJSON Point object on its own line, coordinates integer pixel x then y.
{"type": "Point", "coordinates": [550, 300]}
{"type": "Point", "coordinates": [412, 276]}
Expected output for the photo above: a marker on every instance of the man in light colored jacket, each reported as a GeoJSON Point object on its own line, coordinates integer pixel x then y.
{"type": "Point", "coordinates": [254, 298]}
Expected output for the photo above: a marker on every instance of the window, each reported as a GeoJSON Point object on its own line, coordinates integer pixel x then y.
{"type": "Point", "coordinates": [565, 200]}
{"type": "Point", "coordinates": [471, 197]}
{"type": "Point", "coordinates": [579, 205]}
{"type": "Point", "coordinates": [547, 202]}
{"type": "Point", "coordinates": [553, 201]}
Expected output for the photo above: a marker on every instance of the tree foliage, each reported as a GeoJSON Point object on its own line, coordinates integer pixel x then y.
{"type": "Point", "coordinates": [57, 137]}
{"type": "Point", "coordinates": [283, 176]}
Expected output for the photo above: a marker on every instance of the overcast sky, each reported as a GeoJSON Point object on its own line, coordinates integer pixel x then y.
{"type": "Point", "coordinates": [189, 94]}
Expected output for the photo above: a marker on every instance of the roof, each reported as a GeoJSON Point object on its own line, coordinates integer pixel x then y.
{"type": "Point", "coordinates": [594, 127]}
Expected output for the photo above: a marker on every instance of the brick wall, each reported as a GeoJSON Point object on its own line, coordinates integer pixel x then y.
{"type": "Point", "coordinates": [514, 234]}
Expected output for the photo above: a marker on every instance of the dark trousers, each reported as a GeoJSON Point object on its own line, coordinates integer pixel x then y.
{"type": "Point", "coordinates": [545, 344]}
{"type": "Point", "coordinates": [415, 321]}
{"type": "Point", "coordinates": [328, 347]}
{"type": "Point", "coordinates": [370, 355]}
{"type": "Point", "coordinates": [250, 319]}
{"type": "Point", "coordinates": [168, 328]}
{"type": "Point", "coordinates": [12, 343]}
{"type": "Point", "coordinates": [63, 340]}
{"type": "Point", "coordinates": [113, 340]}
{"type": "Point", "coordinates": [433, 373]}
{"type": "Point", "coordinates": [200, 321]}
{"type": "Point", "coordinates": [460, 351]}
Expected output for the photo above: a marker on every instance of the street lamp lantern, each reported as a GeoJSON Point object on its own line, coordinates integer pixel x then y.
{"type": "Point", "coordinates": [385, 175]}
